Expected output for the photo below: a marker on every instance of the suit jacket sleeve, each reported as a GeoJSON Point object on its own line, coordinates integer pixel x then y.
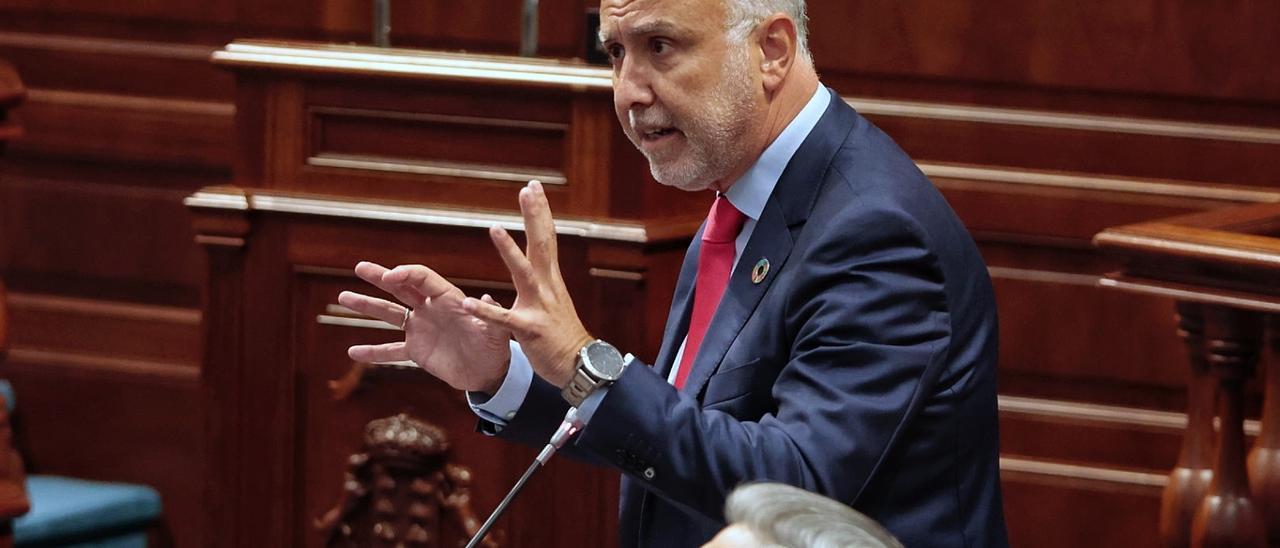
{"type": "Point", "coordinates": [868, 327]}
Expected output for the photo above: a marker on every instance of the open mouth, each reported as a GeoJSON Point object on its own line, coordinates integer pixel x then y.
{"type": "Point", "coordinates": [659, 133]}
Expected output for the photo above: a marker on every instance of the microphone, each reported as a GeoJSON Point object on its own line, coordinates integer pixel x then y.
{"type": "Point", "coordinates": [570, 426]}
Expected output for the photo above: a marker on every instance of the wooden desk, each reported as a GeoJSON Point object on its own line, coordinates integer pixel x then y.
{"type": "Point", "coordinates": [347, 153]}
{"type": "Point", "coordinates": [1223, 268]}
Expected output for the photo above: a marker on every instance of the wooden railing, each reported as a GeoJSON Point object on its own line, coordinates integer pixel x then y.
{"type": "Point", "coordinates": [1223, 269]}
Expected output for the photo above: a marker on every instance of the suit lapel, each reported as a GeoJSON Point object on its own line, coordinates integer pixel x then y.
{"type": "Point", "coordinates": [681, 305]}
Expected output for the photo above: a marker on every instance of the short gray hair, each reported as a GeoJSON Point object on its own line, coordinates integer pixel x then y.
{"type": "Point", "coordinates": [744, 15]}
{"type": "Point", "coordinates": [794, 518]}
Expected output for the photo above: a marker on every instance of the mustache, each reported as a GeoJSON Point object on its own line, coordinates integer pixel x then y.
{"type": "Point", "coordinates": [654, 116]}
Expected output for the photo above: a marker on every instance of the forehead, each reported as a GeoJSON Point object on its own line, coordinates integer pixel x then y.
{"type": "Point", "coordinates": [619, 17]}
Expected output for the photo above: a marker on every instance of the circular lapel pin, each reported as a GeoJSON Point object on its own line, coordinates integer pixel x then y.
{"type": "Point", "coordinates": [759, 271]}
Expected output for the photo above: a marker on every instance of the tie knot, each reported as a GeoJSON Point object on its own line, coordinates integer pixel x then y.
{"type": "Point", "coordinates": [724, 221]}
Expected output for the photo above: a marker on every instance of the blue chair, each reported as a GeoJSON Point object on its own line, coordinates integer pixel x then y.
{"type": "Point", "coordinates": [69, 512]}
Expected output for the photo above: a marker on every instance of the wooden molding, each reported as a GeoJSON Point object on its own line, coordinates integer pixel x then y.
{"type": "Point", "coordinates": [459, 170]}
{"type": "Point", "coordinates": [105, 46]}
{"type": "Point", "coordinates": [1201, 191]}
{"type": "Point", "coordinates": [280, 203]}
{"type": "Point", "coordinates": [1063, 120]}
{"type": "Point", "coordinates": [369, 61]}
{"type": "Point", "coordinates": [1182, 292]}
{"type": "Point", "coordinates": [119, 310]}
{"type": "Point", "coordinates": [108, 365]}
{"type": "Point", "coordinates": [1109, 414]}
{"type": "Point", "coordinates": [1079, 472]}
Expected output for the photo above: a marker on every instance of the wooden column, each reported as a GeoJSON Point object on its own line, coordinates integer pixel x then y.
{"type": "Point", "coordinates": [1190, 479]}
{"type": "Point", "coordinates": [223, 237]}
{"type": "Point", "coordinates": [1264, 460]}
{"type": "Point", "coordinates": [1228, 515]}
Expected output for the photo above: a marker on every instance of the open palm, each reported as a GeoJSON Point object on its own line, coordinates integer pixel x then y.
{"type": "Point", "coordinates": [450, 343]}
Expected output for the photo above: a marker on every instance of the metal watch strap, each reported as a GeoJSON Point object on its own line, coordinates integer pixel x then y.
{"type": "Point", "coordinates": [581, 386]}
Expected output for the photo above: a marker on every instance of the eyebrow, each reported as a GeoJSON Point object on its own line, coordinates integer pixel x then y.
{"type": "Point", "coordinates": [646, 28]}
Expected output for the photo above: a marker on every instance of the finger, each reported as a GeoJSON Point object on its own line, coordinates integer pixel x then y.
{"type": "Point", "coordinates": [491, 313]}
{"type": "Point", "coordinates": [522, 273]}
{"type": "Point", "coordinates": [373, 353]}
{"type": "Point", "coordinates": [421, 280]}
{"type": "Point", "coordinates": [539, 226]}
{"type": "Point", "coordinates": [488, 299]}
{"type": "Point", "coordinates": [373, 273]}
{"type": "Point", "coordinates": [372, 307]}
{"type": "Point", "coordinates": [369, 271]}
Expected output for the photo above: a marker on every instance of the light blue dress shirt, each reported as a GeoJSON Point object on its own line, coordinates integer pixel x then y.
{"type": "Point", "coordinates": [748, 194]}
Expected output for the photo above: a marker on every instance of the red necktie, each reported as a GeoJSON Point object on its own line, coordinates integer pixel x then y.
{"type": "Point", "coordinates": [715, 261]}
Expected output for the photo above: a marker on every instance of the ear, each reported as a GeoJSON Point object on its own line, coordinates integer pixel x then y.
{"type": "Point", "coordinates": [777, 42]}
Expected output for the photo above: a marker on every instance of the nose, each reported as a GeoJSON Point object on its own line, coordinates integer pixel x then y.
{"type": "Point", "coordinates": [632, 87]}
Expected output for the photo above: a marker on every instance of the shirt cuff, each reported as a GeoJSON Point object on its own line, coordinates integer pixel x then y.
{"type": "Point", "coordinates": [502, 406]}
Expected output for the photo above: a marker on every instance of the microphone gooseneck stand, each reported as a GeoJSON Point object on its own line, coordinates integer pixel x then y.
{"type": "Point", "coordinates": [567, 429]}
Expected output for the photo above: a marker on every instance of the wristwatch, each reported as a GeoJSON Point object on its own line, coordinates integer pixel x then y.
{"type": "Point", "coordinates": [599, 364]}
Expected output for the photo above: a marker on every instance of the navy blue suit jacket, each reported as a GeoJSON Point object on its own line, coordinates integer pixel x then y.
{"type": "Point", "coordinates": [862, 367]}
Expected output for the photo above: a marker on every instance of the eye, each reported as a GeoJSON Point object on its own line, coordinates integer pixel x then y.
{"type": "Point", "coordinates": [614, 51]}
{"type": "Point", "coordinates": [659, 46]}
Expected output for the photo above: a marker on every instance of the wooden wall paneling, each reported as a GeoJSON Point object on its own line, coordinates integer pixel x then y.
{"type": "Point", "coordinates": [487, 26]}
{"type": "Point", "coordinates": [1052, 207]}
{"type": "Point", "coordinates": [96, 327]}
{"type": "Point", "coordinates": [129, 240]}
{"type": "Point", "coordinates": [1085, 318]}
{"type": "Point", "coordinates": [587, 154]}
{"type": "Point", "coordinates": [1052, 506]}
{"type": "Point", "coordinates": [483, 26]}
{"type": "Point", "coordinates": [177, 11]}
{"type": "Point", "coordinates": [1148, 148]}
{"type": "Point", "coordinates": [1143, 48]}
{"type": "Point", "coordinates": [433, 125]}
{"type": "Point", "coordinates": [129, 66]}
{"type": "Point", "coordinates": [172, 132]}
{"type": "Point", "coordinates": [1035, 429]}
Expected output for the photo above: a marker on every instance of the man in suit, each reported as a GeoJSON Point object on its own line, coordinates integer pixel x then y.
{"type": "Point", "coordinates": [851, 351]}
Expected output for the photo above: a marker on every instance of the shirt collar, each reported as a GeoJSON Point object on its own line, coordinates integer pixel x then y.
{"type": "Point", "coordinates": [751, 191]}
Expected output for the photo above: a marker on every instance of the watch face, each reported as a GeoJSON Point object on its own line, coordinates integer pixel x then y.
{"type": "Point", "coordinates": [603, 360]}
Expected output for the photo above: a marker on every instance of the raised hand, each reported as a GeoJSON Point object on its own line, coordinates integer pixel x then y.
{"type": "Point", "coordinates": [542, 319]}
{"type": "Point", "coordinates": [439, 335]}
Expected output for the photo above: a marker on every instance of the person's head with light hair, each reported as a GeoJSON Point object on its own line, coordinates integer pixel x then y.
{"type": "Point", "coordinates": [745, 15]}
{"type": "Point", "coordinates": [773, 515]}
{"type": "Point", "coordinates": [702, 87]}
